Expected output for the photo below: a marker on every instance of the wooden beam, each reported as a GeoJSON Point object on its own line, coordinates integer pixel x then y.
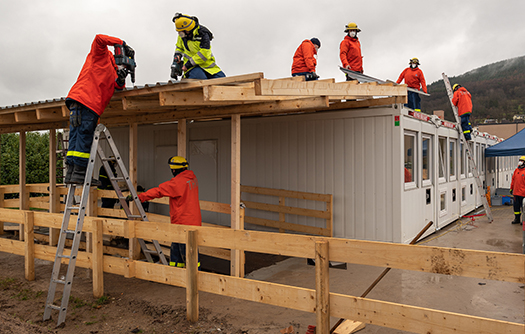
{"type": "Point", "coordinates": [54, 113]}
{"type": "Point", "coordinates": [130, 103]}
{"type": "Point", "coordinates": [309, 88]}
{"type": "Point", "coordinates": [236, 94]}
{"type": "Point", "coordinates": [1, 206]}
{"type": "Point", "coordinates": [322, 287]}
{"type": "Point", "coordinates": [54, 197]}
{"type": "Point", "coordinates": [237, 265]}
{"type": "Point", "coordinates": [23, 194]}
{"type": "Point", "coordinates": [29, 255]}
{"type": "Point", "coordinates": [11, 127]}
{"type": "Point", "coordinates": [192, 271]}
{"type": "Point", "coordinates": [186, 98]}
{"type": "Point", "coordinates": [98, 259]}
{"type": "Point", "coordinates": [383, 101]}
{"type": "Point", "coordinates": [25, 117]}
{"type": "Point", "coordinates": [134, 246]}
{"type": "Point", "coordinates": [7, 119]}
{"type": "Point", "coordinates": [182, 138]}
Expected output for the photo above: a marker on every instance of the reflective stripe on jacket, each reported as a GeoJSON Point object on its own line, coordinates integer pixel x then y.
{"type": "Point", "coordinates": [96, 82]}
{"type": "Point", "coordinates": [462, 100]}
{"type": "Point", "coordinates": [350, 53]}
{"type": "Point", "coordinates": [414, 78]}
{"type": "Point", "coordinates": [183, 191]}
{"type": "Point", "coordinates": [197, 50]}
{"type": "Point", "coordinates": [304, 58]}
{"type": "Point", "coordinates": [518, 182]}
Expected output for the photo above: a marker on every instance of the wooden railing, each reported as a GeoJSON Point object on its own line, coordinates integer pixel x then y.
{"type": "Point", "coordinates": [438, 260]}
{"type": "Point", "coordinates": [284, 209]}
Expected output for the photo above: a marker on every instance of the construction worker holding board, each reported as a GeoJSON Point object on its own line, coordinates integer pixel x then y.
{"type": "Point", "coordinates": [350, 50]}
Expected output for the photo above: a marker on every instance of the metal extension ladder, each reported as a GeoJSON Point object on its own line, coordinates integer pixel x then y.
{"type": "Point", "coordinates": [101, 133]}
{"type": "Point", "coordinates": [470, 156]}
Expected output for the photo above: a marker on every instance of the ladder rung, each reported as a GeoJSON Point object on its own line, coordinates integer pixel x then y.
{"type": "Point", "coordinates": [134, 216]}
{"type": "Point", "coordinates": [73, 208]}
{"type": "Point", "coordinates": [109, 159]}
{"type": "Point", "coordinates": [59, 281]}
{"type": "Point", "coordinates": [64, 256]}
{"type": "Point", "coordinates": [150, 251]}
{"type": "Point", "coordinates": [120, 178]}
{"type": "Point", "coordinates": [54, 307]}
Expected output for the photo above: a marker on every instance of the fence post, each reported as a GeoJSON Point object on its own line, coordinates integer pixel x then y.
{"type": "Point", "coordinates": [322, 287]}
{"type": "Point", "coordinates": [192, 269]}
{"type": "Point", "coordinates": [97, 259]}
{"type": "Point", "coordinates": [29, 239]}
{"type": "Point", "coordinates": [1, 206]}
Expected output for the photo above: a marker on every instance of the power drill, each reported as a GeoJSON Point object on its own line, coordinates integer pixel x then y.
{"type": "Point", "coordinates": [176, 68]}
{"type": "Point", "coordinates": [128, 61]}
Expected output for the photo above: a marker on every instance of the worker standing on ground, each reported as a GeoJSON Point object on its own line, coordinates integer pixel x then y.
{"type": "Point", "coordinates": [194, 49]}
{"type": "Point", "coordinates": [463, 101]}
{"type": "Point", "coordinates": [106, 184]}
{"type": "Point", "coordinates": [414, 78]}
{"type": "Point", "coordinates": [183, 191]}
{"type": "Point", "coordinates": [350, 50]}
{"type": "Point", "coordinates": [87, 100]}
{"type": "Point", "coordinates": [304, 59]}
{"type": "Point", "coordinates": [517, 189]}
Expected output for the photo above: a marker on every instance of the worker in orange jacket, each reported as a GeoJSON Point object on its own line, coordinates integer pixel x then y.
{"type": "Point", "coordinates": [87, 100]}
{"type": "Point", "coordinates": [183, 191]}
{"type": "Point", "coordinates": [414, 78]}
{"type": "Point", "coordinates": [517, 189]}
{"type": "Point", "coordinates": [350, 50]}
{"type": "Point", "coordinates": [463, 101]}
{"type": "Point", "coordinates": [304, 59]}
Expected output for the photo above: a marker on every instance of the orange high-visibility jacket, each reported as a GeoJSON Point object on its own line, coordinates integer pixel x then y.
{"type": "Point", "coordinates": [414, 78]}
{"type": "Point", "coordinates": [350, 53]}
{"type": "Point", "coordinates": [462, 100]}
{"type": "Point", "coordinates": [304, 58]}
{"type": "Point", "coordinates": [97, 79]}
{"type": "Point", "coordinates": [183, 191]}
{"type": "Point", "coordinates": [518, 182]}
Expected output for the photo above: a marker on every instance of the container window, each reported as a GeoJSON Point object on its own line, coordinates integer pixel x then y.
{"type": "Point", "coordinates": [442, 158]}
{"type": "Point", "coordinates": [410, 160]}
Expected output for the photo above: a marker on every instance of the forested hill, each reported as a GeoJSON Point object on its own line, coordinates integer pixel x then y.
{"type": "Point", "coordinates": [498, 91]}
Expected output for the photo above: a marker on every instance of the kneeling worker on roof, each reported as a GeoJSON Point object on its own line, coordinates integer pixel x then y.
{"type": "Point", "coordinates": [304, 61]}
{"type": "Point", "coordinates": [183, 191]}
{"type": "Point", "coordinates": [414, 78]}
{"type": "Point", "coordinates": [88, 98]}
{"type": "Point", "coordinates": [463, 100]}
{"type": "Point", "coordinates": [193, 53]}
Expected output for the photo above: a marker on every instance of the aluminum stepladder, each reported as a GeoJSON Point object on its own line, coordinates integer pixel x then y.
{"type": "Point", "coordinates": [101, 133]}
{"type": "Point", "coordinates": [470, 156]}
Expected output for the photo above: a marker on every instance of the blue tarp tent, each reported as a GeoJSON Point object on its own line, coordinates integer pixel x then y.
{"type": "Point", "coordinates": [515, 145]}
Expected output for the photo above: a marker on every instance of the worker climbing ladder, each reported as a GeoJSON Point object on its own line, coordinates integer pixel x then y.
{"type": "Point", "coordinates": [470, 156]}
{"type": "Point", "coordinates": [101, 133]}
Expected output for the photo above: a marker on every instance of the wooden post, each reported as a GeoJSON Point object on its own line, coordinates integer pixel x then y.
{"type": "Point", "coordinates": [54, 233]}
{"type": "Point", "coordinates": [134, 246]}
{"type": "Point", "coordinates": [237, 263]}
{"type": "Point", "coordinates": [29, 245]}
{"type": "Point", "coordinates": [91, 211]}
{"type": "Point", "coordinates": [192, 270]}
{"type": "Point", "coordinates": [22, 178]}
{"type": "Point", "coordinates": [1, 206]}
{"type": "Point", "coordinates": [181, 138]}
{"type": "Point", "coordinates": [282, 216]}
{"type": "Point", "coordinates": [322, 287]}
{"type": "Point", "coordinates": [330, 221]}
{"type": "Point", "coordinates": [97, 261]}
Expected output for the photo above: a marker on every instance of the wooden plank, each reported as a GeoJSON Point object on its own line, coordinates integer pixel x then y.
{"type": "Point", "coordinates": [98, 260]}
{"type": "Point", "coordinates": [29, 254]}
{"type": "Point", "coordinates": [11, 189]}
{"type": "Point", "coordinates": [287, 209]}
{"type": "Point", "coordinates": [130, 103]}
{"type": "Point", "coordinates": [134, 246]}
{"type": "Point", "coordinates": [383, 101]}
{"type": "Point", "coordinates": [322, 287]}
{"type": "Point", "coordinates": [7, 119]}
{"type": "Point", "coordinates": [186, 98]}
{"type": "Point", "coordinates": [215, 207]}
{"type": "Point", "coordinates": [192, 270]}
{"type": "Point", "coordinates": [182, 140]}
{"type": "Point", "coordinates": [1, 206]}
{"type": "Point", "coordinates": [237, 94]}
{"type": "Point", "coordinates": [286, 193]}
{"type": "Point", "coordinates": [349, 326]}
{"type": "Point", "coordinates": [46, 114]}
{"type": "Point", "coordinates": [25, 117]}
{"type": "Point", "coordinates": [14, 127]}
{"type": "Point", "coordinates": [288, 226]}
{"type": "Point", "coordinates": [24, 195]}
{"type": "Point", "coordinates": [236, 264]}
{"type": "Point", "coordinates": [291, 88]}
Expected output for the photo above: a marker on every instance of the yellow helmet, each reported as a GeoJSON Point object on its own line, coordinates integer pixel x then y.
{"type": "Point", "coordinates": [415, 61]}
{"type": "Point", "coordinates": [456, 86]}
{"type": "Point", "coordinates": [177, 162]}
{"type": "Point", "coordinates": [522, 158]}
{"type": "Point", "coordinates": [352, 26]}
{"type": "Point", "coordinates": [183, 22]}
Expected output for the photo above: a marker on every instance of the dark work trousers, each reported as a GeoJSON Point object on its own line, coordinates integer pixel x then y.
{"type": "Point", "coordinates": [466, 127]}
{"type": "Point", "coordinates": [414, 101]}
{"type": "Point", "coordinates": [178, 255]}
{"type": "Point", "coordinates": [518, 201]}
{"type": "Point", "coordinates": [308, 75]}
{"type": "Point", "coordinates": [198, 73]}
{"type": "Point", "coordinates": [81, 137]}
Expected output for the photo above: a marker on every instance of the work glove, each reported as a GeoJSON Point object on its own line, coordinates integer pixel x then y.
{"type": "Point", "coordinates": [510, 191]}
{"type": "Point", "coordinates": [75, 118]}
{"type": "Point", "coordinates": [129, 51]}
{"type": "Point", "coordinates": [122, 74]}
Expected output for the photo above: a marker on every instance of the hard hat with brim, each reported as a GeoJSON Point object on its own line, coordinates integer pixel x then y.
{"type": "Point", "coordinates": [177, 162]}
{"type": "Point", "coordinates": [352, 26]}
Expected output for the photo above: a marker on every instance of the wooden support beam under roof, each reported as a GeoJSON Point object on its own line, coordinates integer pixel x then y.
{"type": "Point", "coordinates": [53, 113]}
{"type": "Point", "coordinates": [25, 117]}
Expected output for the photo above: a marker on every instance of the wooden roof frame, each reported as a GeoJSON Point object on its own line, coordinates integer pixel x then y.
{"type": "Point", "coordinates": [244, 95]}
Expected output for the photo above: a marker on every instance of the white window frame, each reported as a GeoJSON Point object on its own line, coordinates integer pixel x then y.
{"type": "Point", "coordinates": [428, 182]}
{"type": "Point", "coordinates": [443, 212]}
{"type": "Point", "coordinates": [443, 179]}
{"type": "Point", "coordinates": [453, 144]}
{"type": "Point", "coordinates": [415, 176]}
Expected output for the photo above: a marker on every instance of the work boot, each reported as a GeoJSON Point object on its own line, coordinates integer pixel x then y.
{"type": "Point", "coordinates": [69, 173]}
{"type": "Point", "coordinates": [79, 176]}
{"type": "Point", "coordinates": [517, 219]}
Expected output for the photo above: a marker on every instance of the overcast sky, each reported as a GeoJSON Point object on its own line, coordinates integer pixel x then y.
{"type": "Point", "coordinates": [44, 43]}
